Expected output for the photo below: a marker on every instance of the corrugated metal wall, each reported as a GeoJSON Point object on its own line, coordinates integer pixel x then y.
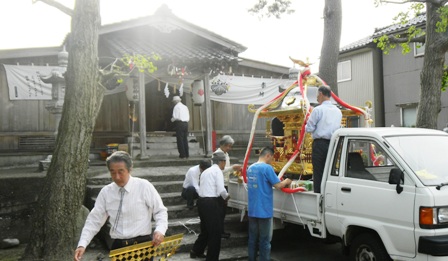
{"type": "Point", "coordinates": [365, 84]}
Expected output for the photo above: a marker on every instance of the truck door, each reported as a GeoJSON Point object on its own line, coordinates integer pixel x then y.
{"type": "Point", "coordinates": [364, 198]}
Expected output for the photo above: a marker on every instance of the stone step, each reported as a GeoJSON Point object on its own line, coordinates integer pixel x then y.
{"type": "Point", "coordinates": [168, 144]}
{"type": "Point", "coordinates": [192, 225]}
{"type": "Point", "coordinates": [168, 152]}
{"type": "Point", "coordinates": [165, 145]}
{"type": "Point", "coordinates": [165, 186]}
{"type": "Point", "coordinates": [237, 238]}
{"type": "Point", "coordinates": [105, 179]}
{"type": "Point", "coordinates": [167, 139]}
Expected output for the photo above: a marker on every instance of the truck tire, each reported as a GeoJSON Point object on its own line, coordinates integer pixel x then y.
{"type": "Point", "coordinates": [368, 247]}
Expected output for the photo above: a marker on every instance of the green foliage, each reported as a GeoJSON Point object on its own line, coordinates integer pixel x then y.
{"type": "Point", "coordinates": [385, 43]}
{"type": "Point", "coordinates": [445, 78]}
{"type": "Point", "coordinates": [122, 67]}
{"type": "Point", "coordinates": [443, 23]}
{"type": "Point", "coordinates": [142, 62]}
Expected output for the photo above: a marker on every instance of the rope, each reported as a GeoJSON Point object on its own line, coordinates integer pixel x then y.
{"type": "Point", "coordinates": [297, 211]}
{"type": "Point", "coordinates": [190, 222]}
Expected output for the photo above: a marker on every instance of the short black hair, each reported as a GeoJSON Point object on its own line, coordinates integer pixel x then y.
{"type": "Point", "coordinates": [325, 90]}
{"type": "Point", "coordinates": [205, 164]}
{"type": "Point", "coordinates": [266, 151]}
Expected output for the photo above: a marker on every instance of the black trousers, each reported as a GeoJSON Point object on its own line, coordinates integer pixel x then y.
{"type": "Point", "coordinates": [210, 213]}
{"type": "Point", "coordinates": [189, 194]}
{"type": "Point", "coordinates": [182, 138]}
{"type": "Point", "coordinates": [224, 212]}
{"type": "Point", "coordinates": [318, 157]}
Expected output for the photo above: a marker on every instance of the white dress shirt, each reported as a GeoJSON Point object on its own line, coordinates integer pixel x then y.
{"type": "Point", "coordinates": [192, 178]}
{"type": "Point", "coordinates": [181, 113]}
{"type": "Point", "coordinates": [212, 183]}
{"type": "Point", "coordinates": [228, 169]}
{"type": "Point", "coordinates": [141, 201]}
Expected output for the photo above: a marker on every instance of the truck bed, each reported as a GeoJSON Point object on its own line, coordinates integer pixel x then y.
{"type": "Point", "coordinates": [297, 208]}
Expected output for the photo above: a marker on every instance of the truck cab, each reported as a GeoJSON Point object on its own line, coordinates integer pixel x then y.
{"type": "Point", "coordinates": [386, 186]}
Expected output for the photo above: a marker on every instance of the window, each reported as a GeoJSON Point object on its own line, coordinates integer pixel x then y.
{"type": "Point", "coordinates": [337, 158]}
{"type": "Point", "coordinates": [367, 160]}
{"type": "Point", "coordinates": [408, 116]}
{"type": "Point", "coordinates": [419, 49]}
{"type": "Point", "coordinates": [344, 71]}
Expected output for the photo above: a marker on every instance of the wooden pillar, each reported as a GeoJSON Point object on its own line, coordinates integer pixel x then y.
{"type": "Point", "coordinates": [142, 113]}
{"type": "Point", "coordinates": [208, 117]}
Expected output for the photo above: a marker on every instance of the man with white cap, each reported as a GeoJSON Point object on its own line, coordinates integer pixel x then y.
{"type": "Point", "coordinates": [181, 117]}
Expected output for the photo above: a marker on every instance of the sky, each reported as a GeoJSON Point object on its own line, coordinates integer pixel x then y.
{"type": "Point", "coordinates": [271, 40]}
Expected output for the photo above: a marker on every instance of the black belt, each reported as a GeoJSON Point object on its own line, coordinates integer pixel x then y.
{"type": "Point", "coordinates": [321, 139]}
{"type": "Point", "coordinates": [210, 198]}
{"type": "Point", "coordinates": [131, 241]}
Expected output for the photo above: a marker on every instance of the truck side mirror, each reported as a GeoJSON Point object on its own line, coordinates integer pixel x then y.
{"type": "Point", "coordinates": [395, 177]}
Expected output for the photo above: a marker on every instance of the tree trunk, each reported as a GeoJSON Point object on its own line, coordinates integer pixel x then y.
{"type": "Point", "coordinates": [54, 221]}
{"type": "Point", "coordinates": [432, 72]}
{"type": "Point", "coordinates": [328, 66]}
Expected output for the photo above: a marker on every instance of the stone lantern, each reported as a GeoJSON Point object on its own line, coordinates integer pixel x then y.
{"type": "Point", "coordinates": [57, 80]}
{"type": "Point", "coordinates": [54, 106]}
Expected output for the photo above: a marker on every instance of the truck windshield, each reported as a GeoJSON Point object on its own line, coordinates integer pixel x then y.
{"type": "Point", "coordinates": [425, 155]}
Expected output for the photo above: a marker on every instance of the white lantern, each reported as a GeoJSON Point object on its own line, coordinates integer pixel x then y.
{"type": "Point", "coordinates": [198, 92]}
{"type": "Point", "coordinates": [132, 89]}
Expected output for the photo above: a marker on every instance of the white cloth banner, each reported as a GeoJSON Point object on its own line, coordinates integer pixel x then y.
{"type": "Point", "coordinates": [24, 82]}
{"type": "Point", "coordinates": [246, 90]}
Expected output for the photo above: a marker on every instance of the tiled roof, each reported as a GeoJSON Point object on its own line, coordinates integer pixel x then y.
{"type": "Point", "coordinates": [178, 46]}
{"type": "Point", "coordinates": [358, 44]}
{"type": "Point", "coordinates": [391, 29]}
{"type": "Point", "coordinates": [169, 36]}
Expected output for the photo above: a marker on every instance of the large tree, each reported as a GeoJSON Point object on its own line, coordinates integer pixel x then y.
{"type": "Point", "coordinates": [329, 54]}
{"type": "Point", "coordinates": [61, 198]}
{"type": "Point", "coordinates": [435, 38]}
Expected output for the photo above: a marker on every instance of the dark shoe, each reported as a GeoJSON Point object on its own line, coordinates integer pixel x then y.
{"type": "Point", "coordinates": [225, 235]}
{"type": "Point", "coordinates": [194, 255]}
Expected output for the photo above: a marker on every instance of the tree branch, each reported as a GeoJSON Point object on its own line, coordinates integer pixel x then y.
{"type": "Point", "coordinates": [419, 39]}
{"type": "Point", "coordinates": [56, 5]}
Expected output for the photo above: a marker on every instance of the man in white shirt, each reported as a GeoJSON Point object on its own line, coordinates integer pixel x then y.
{"type": "Point", "coordinates": [129, 203]}
{"type": "Point", "coordinates": [181, 117]}
{"type": "Point", "coordinates": [212, 196]}
{"type": "Point", "coordinates": [190, 190]}
{"type": "Point", "coordinates": [225, 145]}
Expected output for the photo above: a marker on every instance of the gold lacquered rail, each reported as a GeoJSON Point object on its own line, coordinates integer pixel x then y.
{"type": "Point", "coordinates": [143, 251]}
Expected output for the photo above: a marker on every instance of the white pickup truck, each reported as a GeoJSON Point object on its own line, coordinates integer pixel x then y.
{"type": "Point", "coordinates": [384, 194]}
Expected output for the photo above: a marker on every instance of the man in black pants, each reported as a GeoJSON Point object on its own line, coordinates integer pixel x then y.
{"type": "Point", "coordinates": [212, 196]}
{"type": "Point", "coordinates": [181, 117]}
{"type": "Point", "coordinates": [324, 120]}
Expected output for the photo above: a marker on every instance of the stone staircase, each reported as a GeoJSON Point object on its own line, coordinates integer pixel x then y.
{"type": "Point", "coordinates": [164, 144]}
{"type": "Point", "coordinates": [168, 181]}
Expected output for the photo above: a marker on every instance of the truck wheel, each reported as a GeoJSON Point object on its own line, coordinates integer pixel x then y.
{"type": "Point", "coordinates": [368, 247]}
